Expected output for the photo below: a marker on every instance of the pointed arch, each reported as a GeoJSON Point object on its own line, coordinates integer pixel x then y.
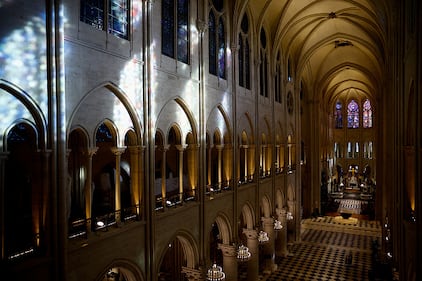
{"type": "Point", "coordinates": [34, 110]}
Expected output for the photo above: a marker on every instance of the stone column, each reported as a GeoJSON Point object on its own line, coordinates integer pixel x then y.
{"type": "Point", "coordinates": [268, 250]}
{"type": "Point", "coordinates": [277, 158]}
{"type": "Point", "coordinates": [229, 261]}
{"type": "Point", "coordinates": [219, 166]}
{"type": "Point", "coordinates": [3, 157]}
{"type": "Point", "coordinates": [245, 147]}
{"type": "Point", "coordinates": [209, 180]}
{"type": "Point", "coordinates": [181, 148]}
{"type": "Point", "coordinates": [281, 241]}
{"type": "Point", "coordinates": [253, 263]}
{"type": "Point", "coordinates": [291, 223]}
{"type": "Point", "coordinates": [117, 151]}
{"type": "Point", "coordinates": [163, 177]}
{"type": "Point", "coordinates": [134, 176]}
{"type": "Point", "coordinates": [89, 189]}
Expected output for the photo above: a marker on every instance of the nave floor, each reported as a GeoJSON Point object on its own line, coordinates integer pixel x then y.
{"type": "Point", "coordinates": [321, 255]}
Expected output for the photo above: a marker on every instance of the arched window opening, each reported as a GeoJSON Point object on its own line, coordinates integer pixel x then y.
{"type": "Point", "coordinates": [367, 114]}
{"type": "Point", "coordinates": [217, 40]}
{"type": "Point", "coordinates": [278, 80]}
{"type": "Point", "coordinates": [353, 115]}
{"type": "Point", "coordinates": [23, 195]}
{"type": "Point", "coordinates": [338, 115]}
{"type": "Point", "coordinates": [175, 29]}
{"type": "Point", "coordinates": [263, 71]}
{"type": "Point", "coordinates": [244, 56]}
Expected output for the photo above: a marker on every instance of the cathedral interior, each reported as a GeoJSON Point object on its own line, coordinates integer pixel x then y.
{"type": "Point", "coordinates": [211, 140]}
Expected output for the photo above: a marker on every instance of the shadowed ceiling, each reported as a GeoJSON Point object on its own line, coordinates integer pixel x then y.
{"type": "Point", "coordinates": [337, 47]}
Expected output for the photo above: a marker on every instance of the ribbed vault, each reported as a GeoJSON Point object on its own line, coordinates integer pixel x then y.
{"type": "Point", "coordinates": [334, 46]}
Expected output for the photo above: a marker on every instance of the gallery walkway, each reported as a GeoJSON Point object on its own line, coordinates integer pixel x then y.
{"type": "Point", "coordinates": [332, 248]}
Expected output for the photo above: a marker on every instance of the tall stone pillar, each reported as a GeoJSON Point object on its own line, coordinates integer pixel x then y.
{"type": "Point", "coordinates": [134, 176]}
{"type": "Point", "coordinates": [245, 147]}
{"type": "Point", "coordinates": [253, 263]}
{"type": "Point", "coordinates": [292, 230]}
{"type": "Point", "coordinates": [181, 149]}
{"type": "Point", "coordinates": [163, 177]}
{"type": "Point", "coordinates": [281, 241]}
{"type": "Point", "coordinates": [89, 189]}
{"type": "Point", "coordinates": [3, 157]}
{"type": "Point", "coordinates": [219, 165]}
{"type": "Point", "coordinates": [117, 151]}
{"type": "Point", "coordinates": [229, 261]}
{"type": "Point", "coordinates": [268, 248]}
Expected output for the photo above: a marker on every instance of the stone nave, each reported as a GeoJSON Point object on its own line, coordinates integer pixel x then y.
{"type": "Point", "coordinates": [152, 139]}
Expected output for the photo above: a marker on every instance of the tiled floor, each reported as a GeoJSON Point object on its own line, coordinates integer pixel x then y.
{"type": "Point", "coordinates": [321, 255]}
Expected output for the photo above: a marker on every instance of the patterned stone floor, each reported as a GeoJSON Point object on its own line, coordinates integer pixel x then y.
{"type": "Point", "coordinates": [326, 243]}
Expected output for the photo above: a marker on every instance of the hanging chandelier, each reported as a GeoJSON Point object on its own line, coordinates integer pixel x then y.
{"type": "Point", "coordinates": [277, 225]}
{"type": "Point", "coordinates": [263, 237]}
{"type": "Point", "coordinates": [243, 253]}
{"type": "Point", "coordinates": [215, 273]}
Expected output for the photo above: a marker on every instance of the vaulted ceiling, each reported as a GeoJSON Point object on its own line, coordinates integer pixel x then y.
{"type": "Point", "coordinates": [337, 47]}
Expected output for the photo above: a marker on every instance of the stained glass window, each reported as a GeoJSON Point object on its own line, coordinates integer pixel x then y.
{"type": "Point", "coordinates": [221, 50]}
{"type": "Point", "coordinates": [118, 18]}
{"type": "Point", "coordinates": [244, 71]}
{"type": "Point", "coordinates": [175, 29]}
{"type": "Point", "coordinates": [182, 30]}
{"type": "Point", "coordinates": [278, 80]}
{"type": "Point", "coordinates": [338, 115]}
{"type": "Point", "coordinates": [263, 66]}
{"type": "Point", "coordinates": [367, 114]}
{"type": "Point", "coordinates": [353, 114]}
{"type": "Point", "coordinates": [212, 44]}
{"type": "Point", "coordinates": [93, 13]}
{"type": "Point", "coordinates": [217, 41]}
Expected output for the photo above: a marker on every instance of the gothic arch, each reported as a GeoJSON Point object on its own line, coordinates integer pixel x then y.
{"type": "Point", "coordinates": [280, 199]}
{"type": "Point", "coordinates": [266, 207]}
{"type": "Point", "coordinates": [180, 115]}
{"type": "Point", "coordinates": [126, 268]}
{"type": "Point", "coordinates": [78, 117]}
{"type": "Point", "coordinates": [224, 227]}
{"type": "Point", "coordinates": [39, 120]}
{"type": "Point", "coordinates": [248, 215]}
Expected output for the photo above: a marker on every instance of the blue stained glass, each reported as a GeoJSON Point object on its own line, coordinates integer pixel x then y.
{"type": "Point", "coordinates": [353, 115]}
{"type": "Point", "coordinates": [182, 30]}
{"type": "Point", "coordinates": [247, 66]}
{"type": "Point", "coordinates": [104, 134]}
{"type": "Point", "coordinates": [222, 50]}
{"type": "Point", "coordinates": [339, 115]}
{"type": "Point", "coordinates": [212, 44]}
{"type": "Point", "coordinates": [167, 28]}
{"type": "Point", "coordinates": [92, 13]}
{"type": "Point", "coordinates": [241, 53]}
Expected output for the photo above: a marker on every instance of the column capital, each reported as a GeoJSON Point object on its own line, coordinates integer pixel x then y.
{"type": "Point", "coordinates": [228, 250]}
{"type": "Point", "coordinates": [118, 150]}
{"type": "Point", "coordinates": [4, 155]}
{"type": "Point", "coordinates": [91, 151]}
{"type": "Point", "coordinates": [135, 148]}
{"type": "Point", "coordinates": [202, 26]}
{"type": "Point", "coordinates": [219, 146]}
{"type": "Point", "coordinates": [251, 233]}
{"type": "Point", "coordinates": [267, 221]}
{"type": "Point", "coordinates": [181, 147]}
